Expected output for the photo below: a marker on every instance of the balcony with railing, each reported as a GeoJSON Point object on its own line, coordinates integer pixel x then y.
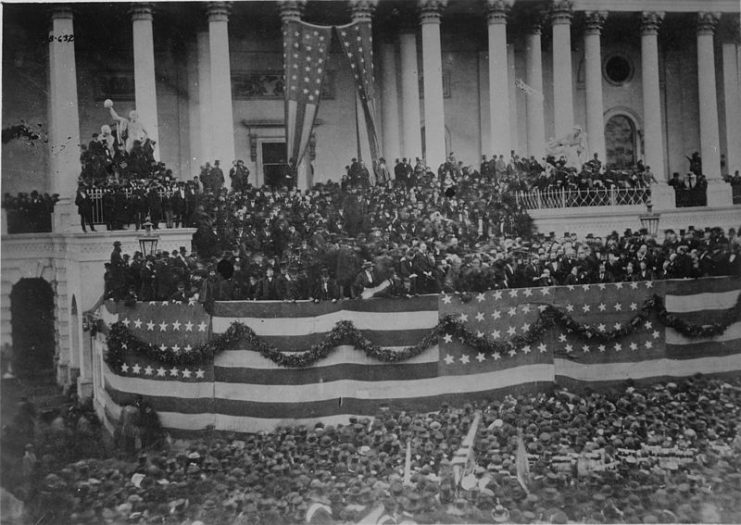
{"type": "Point", "coordinates": [562, 198]}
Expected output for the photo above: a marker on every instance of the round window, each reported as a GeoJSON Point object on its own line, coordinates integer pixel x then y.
{"type": "Point", "coordinates": [618, 69]}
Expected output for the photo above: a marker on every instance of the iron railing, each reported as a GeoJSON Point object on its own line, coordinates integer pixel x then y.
{"type": "Point", "coordinates": [96, 195]}
{"type": "Point", "coordinates": [561, 198]}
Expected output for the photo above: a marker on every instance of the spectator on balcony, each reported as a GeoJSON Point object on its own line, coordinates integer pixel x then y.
{"type": "Point", "coordinates": [85, 208]}
{"type": "Point", "coordinates": [239, 175]}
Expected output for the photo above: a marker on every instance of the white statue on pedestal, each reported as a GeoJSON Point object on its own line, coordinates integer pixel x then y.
{"type": "Point", "coordinates": [132, 126]}
{"type": "Point", "coordinates": [572, 146]}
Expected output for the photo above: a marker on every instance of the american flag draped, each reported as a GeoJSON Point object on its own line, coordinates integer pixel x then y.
{"type": "Point", "coordinates": [357, 44]}
{"type": "Point", "coordinates": [240, 390]}
{"type": "Point", "coordinates": [305, 50]}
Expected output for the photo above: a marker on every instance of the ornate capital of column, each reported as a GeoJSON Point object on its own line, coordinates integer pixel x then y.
{"type": "Point", "coordinates": [562, 12]}
{"type": "Point", "coordinates": [707, 22]}
{"type": "Point", "coordinates": [362, 10]}
{"type": "Point", "coordinates": [595, 21]}
{"type": "Point", "coordinates": [61, 12]}
{"type": "Point", "coordinates": [218, 11]}
{"type": "Point", "coordinates": [497, 11]}
{"type": "Point", "coordinates": [291, 10]}
{"type": "Point", "coordinates": [430, 11]}
{"type": "Point", "coordinates": [141, 11]}
{"type": "Point", "coordinates": [651, 22]}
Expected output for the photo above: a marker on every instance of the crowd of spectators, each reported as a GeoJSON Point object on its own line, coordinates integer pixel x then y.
{"type": "Point", "coordinates": [29, 213]}
{"type": "Point", "coordinates": [322, 266]}
{"type": "Point", "coordinates": [551, 173]}
{"type": "Point", "coordinates": [341, 473]}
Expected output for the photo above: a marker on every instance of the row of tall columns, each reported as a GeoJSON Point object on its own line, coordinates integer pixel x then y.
{"type": "Point", "coordinates": [64, 115]}
{"type": "Point", "coordinates": [499, 105]}
{"type": "Point", "coordinates": [653, 134]}
{"type": "Point", "coordinates": [432, 68]}
{"type": "Point", "coordinates": [222, 115]}
{"type": "Point", "coordinates": [535, 111]}
{"type": "Point", "coordinates": [563, 96]}
{"type": "Point", "coordinates": [732, 102]}
{"type": "Point", "coordinates": [214, 86]}
{"type": "Point", "coordinates": [412, 140]}
{"type": "Point", "coordinates": [593, 81]}
{"type": "Point", "coordinates": [145, 84]}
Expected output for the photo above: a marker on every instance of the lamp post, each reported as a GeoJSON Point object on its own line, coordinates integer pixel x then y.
{"type": "Point", "coordinates": [650, 219]}
{"type": "Point", "coordinates": [148, 242]}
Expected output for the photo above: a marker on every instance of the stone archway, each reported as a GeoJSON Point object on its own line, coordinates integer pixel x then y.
{"type": "Point", "coordinates": [622, 141]}
{"type": "Point", "coordinates": [32, 322]}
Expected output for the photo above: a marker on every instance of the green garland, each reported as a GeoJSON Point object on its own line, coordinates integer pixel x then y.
{"type": "Point", "coordinates": [120, 340]}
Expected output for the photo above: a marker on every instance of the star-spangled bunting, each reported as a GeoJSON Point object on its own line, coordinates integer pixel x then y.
{"type": "Point", "coordinates": [305, 50]}
{"type": "Point", "coordinates": [178, 328]}
{"type": "Point", "coordinates": [501, 315]}
{"type": "Point", "coordinates": [357, 44]}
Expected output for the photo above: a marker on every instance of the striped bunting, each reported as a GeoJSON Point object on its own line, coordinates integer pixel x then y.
{"type": "Point", "coordinates": [243, 391]}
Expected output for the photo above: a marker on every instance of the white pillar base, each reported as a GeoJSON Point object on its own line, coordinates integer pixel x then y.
{"type": "Point", "coordinates": [719, 194]}
{"type": "Point", "coordinates": [65, 217]}
{"type": "Point", "coordinates": [663, 197]}
{"type": "Point", "coordinates": [84, 388]}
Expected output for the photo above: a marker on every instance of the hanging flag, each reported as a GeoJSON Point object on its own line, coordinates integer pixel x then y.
{"type": "Point", "coordinates": [357, 43]}
{"type": "Point", "coordinates": [305, 49]}
{"type": "Point", "coordinates": [523, 467]}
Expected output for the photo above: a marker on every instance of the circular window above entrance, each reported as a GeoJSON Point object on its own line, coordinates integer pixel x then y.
{"type": "Point", "coordinates": [618, 69]}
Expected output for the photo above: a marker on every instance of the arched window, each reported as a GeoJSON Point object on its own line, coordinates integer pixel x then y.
{"type": "Point", "coordinates": [620, 142]}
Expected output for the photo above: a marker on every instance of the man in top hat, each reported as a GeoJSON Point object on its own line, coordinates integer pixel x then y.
{"type": "Point", "coordinates": [366, 278]}
{"type": "Point", "coordinates": [326, 288]}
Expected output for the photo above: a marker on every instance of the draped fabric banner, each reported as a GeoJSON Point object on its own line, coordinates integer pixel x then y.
{"type": "Point", "coordinates": [305, 50]}
{"type": "Point", "coordinates": [242, 390]}
{"type": "Point", "coordinates": [357, 44]}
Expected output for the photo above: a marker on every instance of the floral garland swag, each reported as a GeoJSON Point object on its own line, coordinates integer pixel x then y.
{"type": "Point", "coordinates": [120, 340]}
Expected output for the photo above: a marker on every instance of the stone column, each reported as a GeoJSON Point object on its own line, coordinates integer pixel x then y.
{"type": "Point", "coordinates": [719, 193]}
{"type": "Point", "coordinates": [204, 97]}
{"type": "Point", "coordinates": [653, 135]}
{"type": "Point", "coordinates": [64, 118]}
{"type": "Point", "coordinates": [362, 11]}
{"type": "Point", "coordinates": [662, 195]}
{"type": "Point", "coordinates": [222, 124]}
{"type": "Point", "coordinates": [500, 143]}
{"type": "Point", "coordinates": [732, 99]}
{"type": "Point", "coordinates": [432, 70]}
{"type": "Point", "coordinates": [145, 88]}
{"type": "Point", "coordinates": [535, 117]}
{"type": "Point", "coordinates": [563, 97]}
{"type": "Point", "coordinates": [593, 69]}
{"type": "Point", "coordinates": [410, 116]}
{"type": "Point", "coordinates": [390, 103]}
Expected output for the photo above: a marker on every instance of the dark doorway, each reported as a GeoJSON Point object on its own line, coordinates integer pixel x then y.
{"type": "Point", "coordinates": [32, 321]}
{"type": "Point", "coordinates": [274, 167]}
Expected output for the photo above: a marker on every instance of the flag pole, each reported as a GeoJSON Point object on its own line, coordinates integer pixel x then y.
{"type": "Point", "coordinates": [357, 129]}
{"type": "Point", "coordinates": [408, 464]}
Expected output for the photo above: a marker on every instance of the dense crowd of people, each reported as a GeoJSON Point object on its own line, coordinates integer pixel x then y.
{"type": "Point", "coordinates": [551, 173]}
{"type": "Point", "coordinates": [322, 266]}
{"type": "Point", "coordinates": [669, 453]}
{"type": "Point", "coordinates": [29, 213]}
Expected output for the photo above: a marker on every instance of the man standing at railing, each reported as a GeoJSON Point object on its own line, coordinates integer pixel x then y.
{"type": "Point", "coordinates": [84, 208]}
